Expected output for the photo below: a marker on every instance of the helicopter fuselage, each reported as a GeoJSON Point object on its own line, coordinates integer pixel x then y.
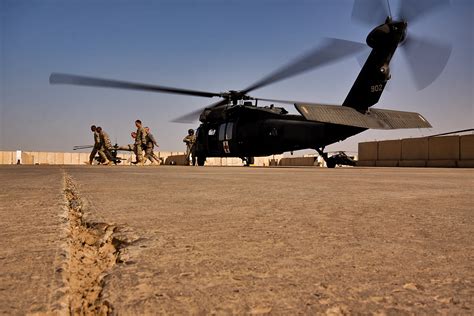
{"type": "Point", "coordinates": [251, 131]}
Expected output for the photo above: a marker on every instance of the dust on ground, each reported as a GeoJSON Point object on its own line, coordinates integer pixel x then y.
{"type": "Point", "coordinates": [254, 240]}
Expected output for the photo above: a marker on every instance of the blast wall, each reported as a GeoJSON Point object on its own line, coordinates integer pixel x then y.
{"type": "Point", "coordinates": [77, 158]}
{"type": "Point", "coordinates": [440, 151]}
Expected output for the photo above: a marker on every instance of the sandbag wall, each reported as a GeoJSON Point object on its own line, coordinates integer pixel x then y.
{"type": "Point", "coordinates": [440, 151]}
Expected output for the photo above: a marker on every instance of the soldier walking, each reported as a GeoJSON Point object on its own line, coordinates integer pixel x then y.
{"type": "Point", "coordinates": [96, 146]}
{"type": "Point", "coordinates": [140, 141]}
{"type": "Point", "coordinates": [190, 141]}
{"type": "Point", "coordinates": [105, 147]}
{"type": "Point", "coordinates": [150, 144]}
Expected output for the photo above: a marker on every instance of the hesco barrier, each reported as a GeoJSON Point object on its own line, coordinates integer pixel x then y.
{"type": "Point", "coordinates": [76, 158]}
{"type": "Point", "coordinates": [297, 161]}
{"type": "Point", "coordinates": [61, 158]}
{"type": "Point", "coordinates": [439, 151]}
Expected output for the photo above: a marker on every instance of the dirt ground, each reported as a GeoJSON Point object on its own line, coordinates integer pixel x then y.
{"type": "Point", "coordinates": [235, 240]}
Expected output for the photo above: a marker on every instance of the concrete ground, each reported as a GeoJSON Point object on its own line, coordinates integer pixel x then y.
{"type": "Point", "coordinates": [234, 240]}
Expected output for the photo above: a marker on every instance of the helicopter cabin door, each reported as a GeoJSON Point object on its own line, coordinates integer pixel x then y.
{"type": "Point", "coordinates": [226, 133]}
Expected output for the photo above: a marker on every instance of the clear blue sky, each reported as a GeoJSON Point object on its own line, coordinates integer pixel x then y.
{"type": "Point", "coordinates": [207, 45]}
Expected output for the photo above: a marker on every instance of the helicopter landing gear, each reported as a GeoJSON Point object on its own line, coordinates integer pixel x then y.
{"type": "Point", "coordinates": [248, 161]}
{"type": "Point", "coordinates": [201, 160]}
{"type": "Point", "coordinates": [330, 162]}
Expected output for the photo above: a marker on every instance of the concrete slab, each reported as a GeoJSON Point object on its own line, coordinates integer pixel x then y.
{"type": "Point", "coordinates": [193, 240]}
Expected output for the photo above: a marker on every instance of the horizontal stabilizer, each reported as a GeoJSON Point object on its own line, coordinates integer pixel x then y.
{"type": "Point", "coordinates": [374, 118]}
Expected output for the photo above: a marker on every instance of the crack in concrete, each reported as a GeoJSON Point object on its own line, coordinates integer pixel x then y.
{"type": "Point", "coordinates": [92, 251]}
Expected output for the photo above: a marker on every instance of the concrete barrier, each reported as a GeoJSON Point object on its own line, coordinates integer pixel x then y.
{"type": "Point", "coordinates": [441, 163]}
{"type": "Point", "coordinates": [297, 161]}
{"type": "Point", "coordinates": [389, 150]}
{"type": "Point", "coordinates": [444, 148]}
{"type": "Point", "coordinates": [466, 143]}
{"type": "Point", "coordinates": [439, 151]}
{"type": "Point", "coordinates": [58, 159]}
{"type": "Point", "coordinates": [412, 163]}
{"type": "Point", "coordinates": [415, 149]}
{"type": "Point", "coordinates": [368, 151]}
{"type": "Point", "coordinates": [7, 157]}
{"type": "Point", "coordinates": [465, 163]}
{"type": "Point", "coordinates": [27, 158]}
{"type": "Point", "coordinates": [79, 158]}
{"type": "Point", "coordinates": [386, 163]}
{"type": "Point", "coordinates": [365, 163]}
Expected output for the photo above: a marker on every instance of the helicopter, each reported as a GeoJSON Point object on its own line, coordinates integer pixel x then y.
{"type": "Point", "coordinates": [236, 126]}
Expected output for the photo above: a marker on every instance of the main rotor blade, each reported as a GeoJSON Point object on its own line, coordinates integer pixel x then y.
{"type": "Point", "coordinates": [330, 51]}
{"type": "Point", "coordinates": [194, 115]}
{"type": "Point", "coordinates": [58, 78]}
{"type": "Point", "coordinates": [411, 10]}
{"type": "Point", "coordinates": [427, 59]}
{"type": "Point", "coordinates": [370, 12]}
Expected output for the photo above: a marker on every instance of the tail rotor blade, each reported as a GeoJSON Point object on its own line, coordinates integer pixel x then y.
{"type": "Point", "coordinates": [412, 10]}
{"type": "Point", "coordinates": [426, 58]}
{"type": "Point", "coordinates": [369, 12]}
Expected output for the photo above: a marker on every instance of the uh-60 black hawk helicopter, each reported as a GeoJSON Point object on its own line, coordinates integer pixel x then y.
{"type": "Point", "coordinates": [236, 126]}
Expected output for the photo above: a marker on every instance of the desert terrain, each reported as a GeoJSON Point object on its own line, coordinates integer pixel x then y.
{"type": "Point", "coordinates": [234, 240]}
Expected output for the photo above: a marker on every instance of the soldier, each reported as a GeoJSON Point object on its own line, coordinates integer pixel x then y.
{"type": "Point", "coordinates": [105, 147]}
{"type": "Point", "coordinates": [150, 144]}
{"type": "Point", "coordinates": [96, 146]}
{"type": "Point", "coordinates": [131, 147]}
{"type": "Point", "coordinates": [190, 141]}
{"type": "Point", "coordinates": [140, 141]}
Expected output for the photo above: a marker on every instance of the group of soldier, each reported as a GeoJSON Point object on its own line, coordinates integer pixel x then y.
{"type": "Point", "coordinates": [143, 146]}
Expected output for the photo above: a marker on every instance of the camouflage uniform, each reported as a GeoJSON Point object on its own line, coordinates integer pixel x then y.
{"type": "Point", "coordinates": [140, 143]}
{"type": "Point", "coordinates": [105, 147]}
{"type": "Point", "coordinates": [190, 140]}
{"type": "Point", "coordinates": [150, 144]}
{"type": "Point", "coordinates": [96, 147]}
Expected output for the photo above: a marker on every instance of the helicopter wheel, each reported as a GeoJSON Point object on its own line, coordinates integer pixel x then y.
{"type": "Point", "coordinates": [201, 160]}
{"type": "Point", "coordinates": [248, 161]}
{"type": "Point", "coordinates": [331, 163]}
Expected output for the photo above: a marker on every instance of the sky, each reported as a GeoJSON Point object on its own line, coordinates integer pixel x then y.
{"type": "Point", "coordinates": [210, 45]}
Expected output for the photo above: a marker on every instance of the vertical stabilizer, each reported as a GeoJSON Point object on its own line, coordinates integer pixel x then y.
{"type": "Point", "coordinates": [375, 73]}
